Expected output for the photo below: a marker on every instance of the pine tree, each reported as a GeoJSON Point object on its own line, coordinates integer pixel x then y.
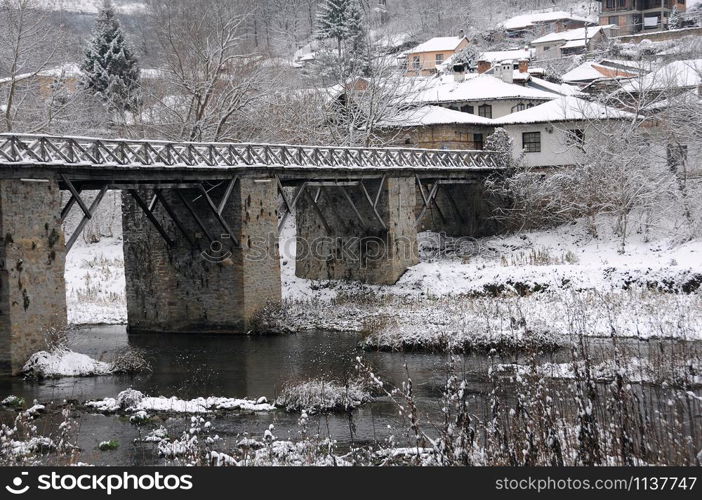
{"type": "Point", "coordinates": [342, 21]}
{"type": "Point", "coordinates": [110, 69]}
{"type": "Point", "coordinates": [675, 20]}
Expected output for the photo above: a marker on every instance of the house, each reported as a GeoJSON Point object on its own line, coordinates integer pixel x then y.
{"type": "Point", "coordinates": [570, 42]}
{"type": "Point", "coordinates": [636, 16]}
{"type": "Point", "coordinates": [424, 58]}
{"type": "Point", "coordinates": [670, 80]}
{"type": "Point", "coordinates": [435, 127]}
{"type": "Point", "coordinates": [557, 133]}
{"type": "Point", "coordinates": [543, 23]}
{"type": "Point", "coordinates": [604, 69]}
{"type": "Point", "coordinates": [45, 81]}
{"type": "Point", "coordinates": [488, 96]}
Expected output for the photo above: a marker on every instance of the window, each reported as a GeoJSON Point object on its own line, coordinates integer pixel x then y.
{"type": "Point", "coordinates": [531, 142]}
{"type": "Point", "coordinates": [519, 107]}
{"type": "Point", "coordinates": [415, 62]}
{"type": "Point", "coordinates": [622, 4]}
{"type": "Point", "coordinates": [478, 141]}
{"type": "Point", "coordinates": [467, 108]}
{"type": "Point", "coordinates": [576, 137]}
{"type": "Point", "coordinates": [485, 111]}
{"type": "Point", "coordinates": [613, 20]}
{"type": "Point", "coordinates": [530, 105]}
{"type": "Point", "coordinates": [610, 4]}
{"type": "Point", "coordinates": [439, 59]}
{"type": "Point", "coordinates": [546, 47]}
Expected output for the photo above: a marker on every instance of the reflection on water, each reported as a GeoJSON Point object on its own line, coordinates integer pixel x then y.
{"type": "Point", "coordinates": [189, 366]}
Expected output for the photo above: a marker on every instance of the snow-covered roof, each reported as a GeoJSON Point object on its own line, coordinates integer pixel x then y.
{"type": "Point", "coordinates": [68, 70]}
{"type": "Point", "coordinates": [570, 35]}
{"type": "Point", "coordinates": [590, 70]}
{"type": "Point", "coordinates": [438, 44]}
{"type": "Point", "coordinates": [556, 88]}
{"type": "Point", "coordinates": [434, 115]}
{"type": "Point", "coordinates": [528, 20]}
{"type": "Point", "coordinates": [677, 74]}
{"type": "Point", "coordinates": [476, 87]}
{"type": "Point", "coordinates": [567, 108]}
{"type": "Point", "coordinates": [572, 44]}
{"type": "Point", "coordinates": [501, 55]}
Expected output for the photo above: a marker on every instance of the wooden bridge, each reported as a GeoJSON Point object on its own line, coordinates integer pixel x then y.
{"type": "Point", "coordinates": [201, 223]}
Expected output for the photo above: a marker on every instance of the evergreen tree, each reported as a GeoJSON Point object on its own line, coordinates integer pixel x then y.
{"type": "Point", "coordinates": [344, 22]}
{"type": "Point", "coordinates": [110, 69]}
{"type": "Point", "coordinates": [675, 20]}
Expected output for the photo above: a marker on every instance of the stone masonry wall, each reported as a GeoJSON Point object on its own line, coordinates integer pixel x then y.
{"type": "Point", "coordinates": [207, 287]}
{"type": "Point", "coordinates": [356, 249]}
{"type": "Point", "coordinates": [32, 261]}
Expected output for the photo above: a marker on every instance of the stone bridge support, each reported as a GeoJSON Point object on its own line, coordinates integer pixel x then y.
{"type": "Point", "coordinates": [32, 260]}
{"type": "Point", "coordinates": [356, 230]}
{"type": "Point", "coordinates": [222, 264]}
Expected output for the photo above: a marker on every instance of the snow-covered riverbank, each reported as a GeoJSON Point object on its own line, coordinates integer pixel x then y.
{"type": "Point", "coordinates": [538, 287]}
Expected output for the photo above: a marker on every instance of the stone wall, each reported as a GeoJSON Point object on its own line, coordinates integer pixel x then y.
{"type": "Point", "coordinates": [32, 261]}
{"type": "Point", "coordinates": [339, 245]}
{"type": "Point", "coordinates": [206, 287]}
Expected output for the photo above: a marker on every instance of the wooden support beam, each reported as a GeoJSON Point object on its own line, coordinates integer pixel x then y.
{"type": "Point", "coordinates": [374, 204]}
{"type": "Point", "coordinates": [318, 211]}
{"type": "Point", "coordinates": [290, 205]}
{"type": "Point", "coordinates": [149, 215]}
{"type": "Point", "coordinates": [67, 209]}
{"type": "Point", "coordinates": [89, 215]}
{"type": "Point", "coordinates": [174, 217]}
{"type": "Point", "coordinates": [227, 194]}
{"type": "Point", "coordinates": [76, 195]}
{"type": "Point", "coordinates": [353, 206]}
{"type": "Point", "coordinates": [219, 217]}
{"type": "Point", "coordinates": [199, 222]}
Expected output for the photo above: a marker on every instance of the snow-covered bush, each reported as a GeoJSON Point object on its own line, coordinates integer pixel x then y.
{"type": "Point", "coordinates": [62, 362]}
{"type": "Point", "coordinates": [321, 395]}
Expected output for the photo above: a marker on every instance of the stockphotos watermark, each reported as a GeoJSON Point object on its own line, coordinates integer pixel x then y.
{"type": "Point", "coordinates": [351, 249]}
{"type": "Point", "coordinates": [105, 483]}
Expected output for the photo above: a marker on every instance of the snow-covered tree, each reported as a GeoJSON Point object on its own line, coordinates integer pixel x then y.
{"type": "Point", "coordinates": [344, 22]}
{"type": "Point", "coordinates": [675, 21]}
{"type": "Point", "coordinates": [110, 69]}
{"type": "Point", "coordinates": [500, 142]}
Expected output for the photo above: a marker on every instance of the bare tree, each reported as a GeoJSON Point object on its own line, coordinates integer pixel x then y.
{"type": "Point", "coordinates": [29, 44]}
{"type": "Point", "coordinates": [207, 77]}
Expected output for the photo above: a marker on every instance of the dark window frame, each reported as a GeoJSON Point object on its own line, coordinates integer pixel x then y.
{"type": "Point", "coordinates": [485, 110]}
{"type": "Point", "coordinates": [531, 142]}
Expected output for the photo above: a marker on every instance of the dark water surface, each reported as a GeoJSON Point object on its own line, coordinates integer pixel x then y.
{"type": "Point", "coordinates": [188, 366]}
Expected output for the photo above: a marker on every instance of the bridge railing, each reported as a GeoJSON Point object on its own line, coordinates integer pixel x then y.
{"type": "Point", "coordinates": [37, 149]}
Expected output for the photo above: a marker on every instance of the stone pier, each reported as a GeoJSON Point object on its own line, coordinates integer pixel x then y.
{"type": "Point", "coordinates": [340, 235]}
{"type": "Point", "coordinates": [208, 280]}
{"type": "Point", "coordinates": [32, 260]}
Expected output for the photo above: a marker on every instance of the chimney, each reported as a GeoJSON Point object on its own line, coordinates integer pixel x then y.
{"type": "Point", "coordinates": [506, 71]}
{"type": "Point", "coordinates": [484, 66]}
{"type": "Point", "coordinates": [461, 34]}
{"type": "Point", "coordinates": [459, 74]}
{"type": "Point", "coordinates": [524, 65]}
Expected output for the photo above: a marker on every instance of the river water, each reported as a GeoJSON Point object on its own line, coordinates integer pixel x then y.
{"type": "Point", "coordinates": [190, 366]}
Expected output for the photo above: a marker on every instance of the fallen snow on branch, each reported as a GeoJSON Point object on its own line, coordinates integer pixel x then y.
{"type": "Point", "coordinates": [64, 363]}
{"type": "Point", "coordinates": [131, 401]}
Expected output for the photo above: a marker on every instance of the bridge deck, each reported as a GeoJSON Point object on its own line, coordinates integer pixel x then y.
{"type": "Point", "coordinates": [133, 161]}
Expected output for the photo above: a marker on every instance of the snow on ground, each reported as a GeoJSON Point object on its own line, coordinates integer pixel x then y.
{"type": "Point", "coordinates": [132, 401]}
{"type": "Point", "coordinates": [563, 258]}
{"type": "Point", "coordinates": [64, 363]}
{"type": "Point", "coordinates": [95, 284]}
